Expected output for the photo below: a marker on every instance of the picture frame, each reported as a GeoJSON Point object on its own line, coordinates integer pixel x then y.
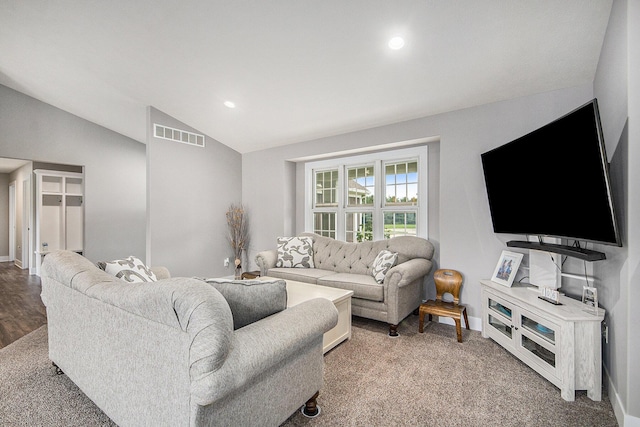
{"type": "Point", "coordinates": [507, 268]}
{"type": "Point", "coordinates": [590, 298]}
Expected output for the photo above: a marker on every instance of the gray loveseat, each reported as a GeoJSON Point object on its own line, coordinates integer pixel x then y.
{"type": "Point", "coordinates": [165, 353]}
{"type": "Point", "coordinates": [345, 265]}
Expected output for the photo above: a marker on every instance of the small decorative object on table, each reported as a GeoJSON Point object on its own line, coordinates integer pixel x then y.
{"type": "Point", "coordinates": [590, 299]}
{"type": "Point", "coordinates": [550, 295]}
{"type": "Point", "coordinates": [238, 264]}
{"type": "Point", "coordinates": [507, 268]}
{"type": "Point", "coordinates": [238, 234]}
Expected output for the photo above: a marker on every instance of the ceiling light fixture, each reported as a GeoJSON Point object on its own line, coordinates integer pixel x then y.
{"type": "Point", "coordinates": [396, 43]}
{"type": "Point", "coordinates": [229, 104]}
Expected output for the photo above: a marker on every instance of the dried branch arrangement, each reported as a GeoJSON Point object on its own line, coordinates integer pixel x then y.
{"type": "Point", "coordinates": [238, 231]}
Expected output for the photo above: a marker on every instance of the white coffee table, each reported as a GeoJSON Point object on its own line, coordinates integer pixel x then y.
{"type": "Point", "coordinates": [298, 292]}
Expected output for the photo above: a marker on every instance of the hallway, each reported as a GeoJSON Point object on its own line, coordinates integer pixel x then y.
{"type": "Point", "coordinates": [21, 309]}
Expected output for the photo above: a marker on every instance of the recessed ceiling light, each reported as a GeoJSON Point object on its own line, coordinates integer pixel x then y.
{"type": "Point", "coordinates": [229, 104]}
{"type": "Point", "coordinates": [396, 43]}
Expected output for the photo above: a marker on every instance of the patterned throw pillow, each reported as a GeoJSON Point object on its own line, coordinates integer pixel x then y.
{"type": "Point", "coordinates": [295, 252]}
{"type": "Point", "coordinates": [130, 270]}
{"type": "Point", "coordinates": [382, 264]}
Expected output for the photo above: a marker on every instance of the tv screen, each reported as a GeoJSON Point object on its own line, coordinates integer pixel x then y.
{"type": "Point", "coordinates": [554, 181]}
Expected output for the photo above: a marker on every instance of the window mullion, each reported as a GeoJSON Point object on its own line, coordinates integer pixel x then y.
{"type": "Point", "coordinates": [378, 226]}
{"type": "Point", "coordinates": [340, 227]}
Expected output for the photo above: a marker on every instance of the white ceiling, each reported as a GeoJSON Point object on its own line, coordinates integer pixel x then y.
{"type": "Point", "coordinates": [297, 70]}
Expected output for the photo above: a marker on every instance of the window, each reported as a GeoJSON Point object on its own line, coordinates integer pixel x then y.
{"type": "Point", "coordinates": [324, 224]}
{"type": "Point", "coordinates": [368, 197]}
{"type": "Point", "coordinates": [401, 180]}
{"type": "Point", "coordinates": [326, 188]}
{"type": "Point", "coordinates": [399, 224]}
{"type": "Point", "coordinates": [359, 226]}
{"type": "Point", "coordinates": [360, 186]}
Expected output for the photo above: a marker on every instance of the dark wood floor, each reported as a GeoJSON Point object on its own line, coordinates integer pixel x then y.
{"type": "Point", "coordinates": [21, 309]}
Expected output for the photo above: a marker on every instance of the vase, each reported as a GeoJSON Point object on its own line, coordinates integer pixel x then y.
{"type": "Point", "coordinates": [238, 274]}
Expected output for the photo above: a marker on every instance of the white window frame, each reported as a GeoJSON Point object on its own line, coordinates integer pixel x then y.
{"type": "Point", "coordinates": [378, 160]}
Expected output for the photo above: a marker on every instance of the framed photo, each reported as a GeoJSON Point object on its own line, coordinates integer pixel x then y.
{"type": "Point", "coordinates": [590, 298]}
{"type": "Point", "coordinates": [507, 268]}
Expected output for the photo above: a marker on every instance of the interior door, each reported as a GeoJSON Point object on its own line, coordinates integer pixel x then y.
{"type": "Point", "coordinates": [12, 221]}
{"type": "Point", "coordinates": [26, 223]}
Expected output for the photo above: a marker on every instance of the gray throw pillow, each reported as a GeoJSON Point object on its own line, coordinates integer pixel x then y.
{"type": "Point", "coordinates": [251, 300]}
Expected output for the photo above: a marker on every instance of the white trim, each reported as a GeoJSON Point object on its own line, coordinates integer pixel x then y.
{"type": "Point", "coordinates": [368, 149]}
{"type": "Point", "coordinates": [377, 160]}
{"type": "Point", "coordinates": [27, 219]}
{"type": "Point", "coordinates": [4, 259]}
{"type": "Point", "coordinates": [12, 220]}
{"type": "Point", "coordinates": [624, 419]}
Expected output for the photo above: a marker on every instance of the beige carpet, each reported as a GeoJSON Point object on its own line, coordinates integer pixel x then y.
{"type": "Point", "coordinates": [372, 380]}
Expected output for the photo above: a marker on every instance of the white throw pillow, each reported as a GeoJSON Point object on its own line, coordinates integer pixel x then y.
{"type": "Point", "coordinates": [382, 264]}
{"type": "Point", "coordinates": [295, 252]}
{"type": "Point", "coordinates": [130, 270]}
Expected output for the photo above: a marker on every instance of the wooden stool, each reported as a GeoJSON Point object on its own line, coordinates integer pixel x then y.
{"type": "Point", "coordinates": [447, 282]}
{"type": "Point", "coordinates": [250, 275]}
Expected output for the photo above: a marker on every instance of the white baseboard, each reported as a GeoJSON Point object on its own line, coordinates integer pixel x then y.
{"type": "Point", "coordinates": [17, 263]}
{"type": "Point", "coordinates": [4, 258]}
{"type": "Point", "coordinates": [624, 419]}
{"type": "Point", "coordinates": [475, 323]}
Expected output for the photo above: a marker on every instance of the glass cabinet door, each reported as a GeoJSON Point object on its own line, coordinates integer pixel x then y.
{"type": "Point", "coordinates": [540, 330]}
{"type": "Point", "coordinates": [539, 339]}
{"type": "Point", "coordinates": [547, 356]}
{"type": "Point", "coordinates": [498, 322]}
{"type": "Point", "coordinates": [500, 326]}
{"type": "Point", "coordinates": [497, 307]}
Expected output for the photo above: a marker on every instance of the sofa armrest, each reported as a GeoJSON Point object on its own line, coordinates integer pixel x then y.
{"type": "Point", "coordinates": [264, 344]}
{"type": "Point", "coordinates": [266, 260]}
{"type": "Point", "coordinates": [403, 274]}
{"type": "Point", "coordinates": [161, 272]}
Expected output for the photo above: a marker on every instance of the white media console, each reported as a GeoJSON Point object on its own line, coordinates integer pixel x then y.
{"type": "Point", "coordinates": [560, 342]}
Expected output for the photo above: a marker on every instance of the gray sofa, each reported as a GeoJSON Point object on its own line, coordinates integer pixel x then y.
{"type": "Point", "coordinates": [165, 353]}
{"type": "Point", "coordinates": [345, 265]}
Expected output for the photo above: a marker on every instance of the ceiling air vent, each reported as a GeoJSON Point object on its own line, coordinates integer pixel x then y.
{"type": "Point", "coordinates": [178, 135]}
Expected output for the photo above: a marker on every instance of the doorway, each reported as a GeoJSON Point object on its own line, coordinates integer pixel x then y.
{"type": "Point", "coordinates": [12, 221]}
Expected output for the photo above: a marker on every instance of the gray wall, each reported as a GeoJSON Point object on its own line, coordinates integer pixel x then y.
{"type": "Point", "coordinates": [466, 239]}
{"type": "Point", "coordinates": [617, 278]}
{"type": "Point", "coordinates": [189, 191]}
{"type": "Point", "coordinates": [115, 182]}
{"type": "Point", "coordinates": [633, 276]}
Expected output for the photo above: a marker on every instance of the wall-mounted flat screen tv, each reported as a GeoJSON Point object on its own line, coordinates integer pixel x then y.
{"type": "Point", "coordinates": [554, 181]}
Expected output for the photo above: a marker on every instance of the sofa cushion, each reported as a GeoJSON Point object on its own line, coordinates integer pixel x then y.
{"type": "Point", "coordinates": [295, 252]}
{"type": "Point", "coordinates": [357, 258]}
{"type": "Point", "coordinates": [363, 286]}
{"type": "Point", "coordinates": [130, 269]}
{"type": "Point", "coordinates": [307, 275]}
{"type": "Point", "coordinates": [383, 263]}
{"type": "Point", "coordinates": [251, 300]}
